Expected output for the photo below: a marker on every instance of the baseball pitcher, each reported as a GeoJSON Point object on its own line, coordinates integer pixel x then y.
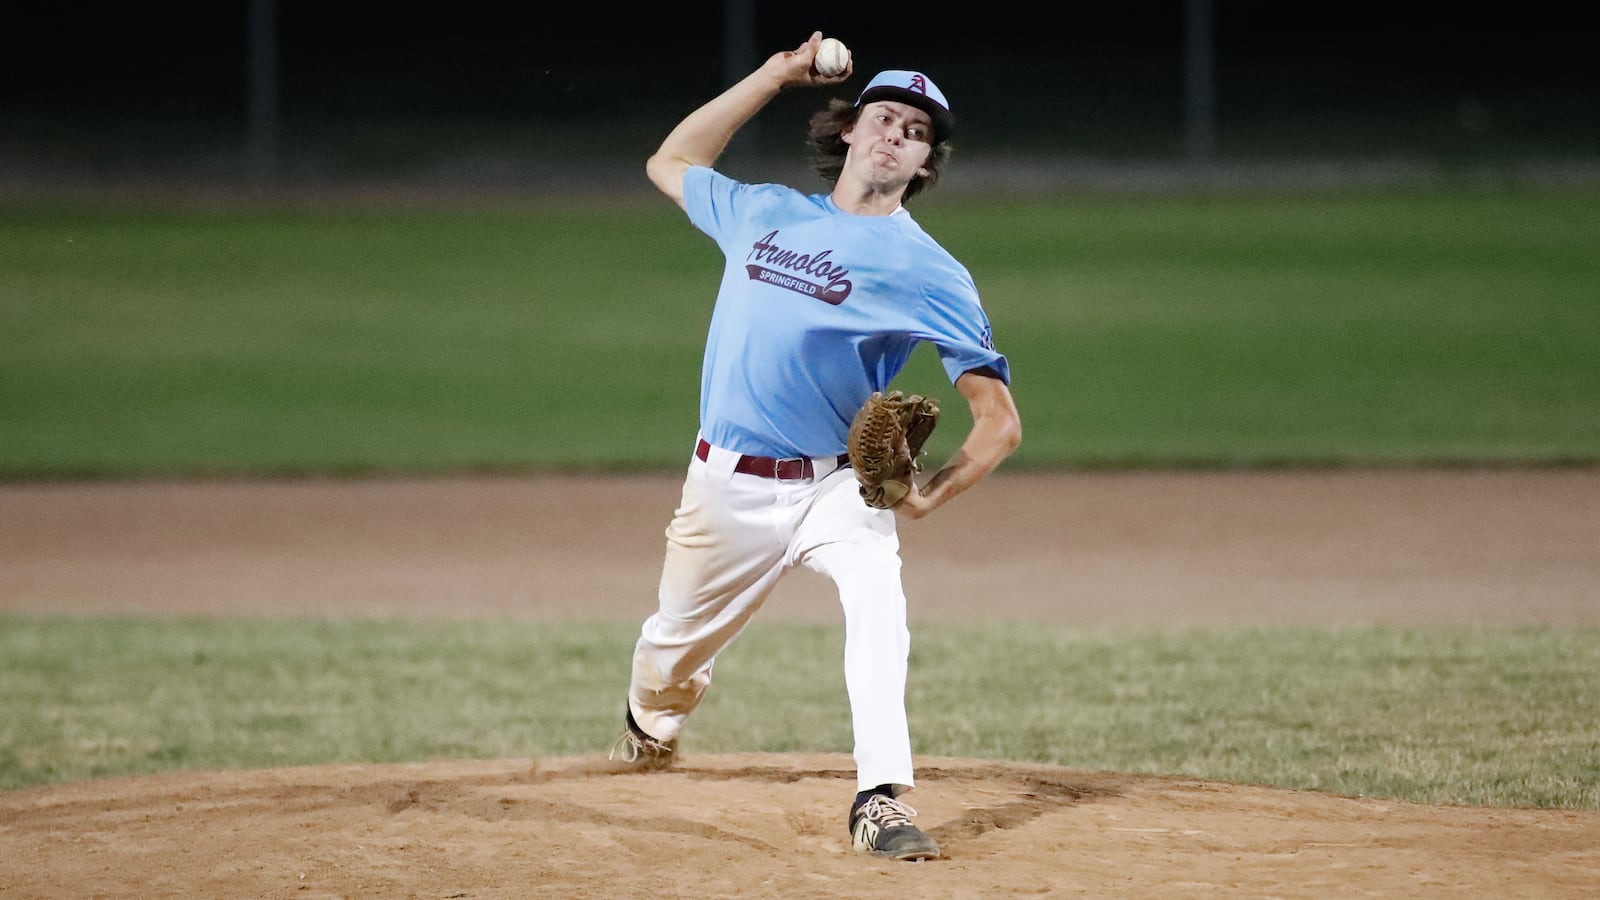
{"type": "Point", "coordinates": [822, 299]}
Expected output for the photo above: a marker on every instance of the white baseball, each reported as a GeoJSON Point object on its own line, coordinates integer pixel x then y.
{"type": "Point", "coordinates": [833, 57]}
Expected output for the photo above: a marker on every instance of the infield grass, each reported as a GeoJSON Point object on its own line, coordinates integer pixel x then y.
{"type": "Point", "coordinates": [1492, 716]}
{"type": "Point", "coordinates": [1439, 327]}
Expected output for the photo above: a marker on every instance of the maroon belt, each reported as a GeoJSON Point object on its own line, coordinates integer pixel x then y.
{"type": "Point", "coordinates": [769, 467]}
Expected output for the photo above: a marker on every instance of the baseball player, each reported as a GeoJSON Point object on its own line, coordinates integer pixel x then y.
{"type": "Point", "coordinates": [822, 299]}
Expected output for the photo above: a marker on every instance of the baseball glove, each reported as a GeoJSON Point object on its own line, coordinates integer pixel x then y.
{"type": "Point", "coordinates": [886, 439]}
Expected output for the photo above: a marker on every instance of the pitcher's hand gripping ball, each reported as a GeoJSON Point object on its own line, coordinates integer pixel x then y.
{"type": "Point", "coordinates": [886, 439]}
{"type": "Point", "coordinates": [832, 58]}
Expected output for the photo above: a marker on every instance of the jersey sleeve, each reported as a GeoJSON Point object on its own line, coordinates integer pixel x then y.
{"type": "Point", "coordinates": [717, 204]}
{"type": "Point", "coordinates": [958, 327]}
{"type": "Point", "coordinates": [709, 197]}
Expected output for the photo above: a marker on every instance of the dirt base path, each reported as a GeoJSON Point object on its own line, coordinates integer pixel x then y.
{"type": "Point", "coordinates": [1277, 548]}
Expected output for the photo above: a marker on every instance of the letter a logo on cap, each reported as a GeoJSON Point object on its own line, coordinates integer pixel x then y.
{"type": "Point", "coordinates": [914, 88]}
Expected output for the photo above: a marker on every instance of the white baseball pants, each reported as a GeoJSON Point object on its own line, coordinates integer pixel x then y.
{"type": "Point", "coordinates": [730, 540]}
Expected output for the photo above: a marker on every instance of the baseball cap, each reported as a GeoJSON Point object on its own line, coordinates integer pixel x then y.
{"type": "Point", "coordinates": [915, 89]}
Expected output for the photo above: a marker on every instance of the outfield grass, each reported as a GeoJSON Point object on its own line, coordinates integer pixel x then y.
{"type": "Point", "coordinates": [1192, 330]}
{"type": "Point", "coordinates": [1494, 716]}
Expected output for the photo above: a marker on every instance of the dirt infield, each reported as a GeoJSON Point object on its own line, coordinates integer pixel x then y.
{"type": "Point", "coordinates": [1279, 548]}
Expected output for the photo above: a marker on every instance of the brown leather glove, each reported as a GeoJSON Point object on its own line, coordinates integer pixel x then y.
{"type": "Point", "coordinates": [886, 439]}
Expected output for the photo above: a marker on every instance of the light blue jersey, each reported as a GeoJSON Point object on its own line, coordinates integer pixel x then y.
{"type": "Point", "coordinates": [817, 309]}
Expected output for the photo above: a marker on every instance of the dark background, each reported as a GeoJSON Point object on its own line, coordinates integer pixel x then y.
{"type": "Point", "coordinates": [532, 94]}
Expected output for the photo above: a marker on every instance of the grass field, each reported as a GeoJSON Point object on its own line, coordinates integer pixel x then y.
{"type": "Point", "coordinates": [1506, 717]}
{"type": "Point", "coordinates": [1192, 330]}
{"type": "Point", "coordinates": [1263, 330]}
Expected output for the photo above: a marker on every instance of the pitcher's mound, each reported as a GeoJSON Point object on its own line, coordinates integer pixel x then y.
{"type": "Point", "coordinates": [758, 825]}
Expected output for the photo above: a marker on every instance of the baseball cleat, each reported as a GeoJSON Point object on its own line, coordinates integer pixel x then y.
{"type": "Point", "coordinates": [639, 751]}
{"type": "Point", "coordinates": [882, 827]}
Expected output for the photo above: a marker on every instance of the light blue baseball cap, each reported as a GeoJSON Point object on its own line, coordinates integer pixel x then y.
{"type": "Point", "coordinates": [916, 89]}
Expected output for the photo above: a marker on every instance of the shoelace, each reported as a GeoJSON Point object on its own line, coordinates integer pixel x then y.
{"type": "Point", "coordinates": [634, 746]}
{"type": "Point", "coordinates": [887, 810]}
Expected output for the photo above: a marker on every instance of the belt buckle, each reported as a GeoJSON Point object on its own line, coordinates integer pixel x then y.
{"type": "Point", "coordinates": [801, 461]}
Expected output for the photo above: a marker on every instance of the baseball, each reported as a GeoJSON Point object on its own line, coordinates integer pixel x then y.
{"type": "Point", "coordinates": [833, 57]}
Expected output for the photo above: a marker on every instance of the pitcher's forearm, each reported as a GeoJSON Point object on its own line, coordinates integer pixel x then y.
{"type": "Point", "coordinates": [996, 433]}
{"type": "Point", "coordinates": [702, 136]}
{"type": "Point", "coordinates": [982, 452]}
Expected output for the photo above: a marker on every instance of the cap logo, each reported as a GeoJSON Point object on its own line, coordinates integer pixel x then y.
{"type": "Point", "coordinates": [914, 88]}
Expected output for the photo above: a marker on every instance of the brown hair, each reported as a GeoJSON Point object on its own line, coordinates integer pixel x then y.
{"type": "Point", "coordinates": [825, 140]}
